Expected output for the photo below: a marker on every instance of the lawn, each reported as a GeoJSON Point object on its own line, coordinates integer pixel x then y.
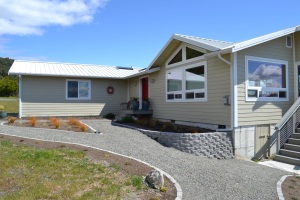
{"type": "Point", "coordinates": [33, 173]}
{"type": "Point", "coordinates": [11, 104]}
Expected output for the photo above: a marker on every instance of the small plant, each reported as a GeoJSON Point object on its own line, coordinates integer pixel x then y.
{"type": "Point", "coordinates": [153, 123]}
{"type": "Point", "coordinates": [73, 121]}
{"type": "Point", "coordinates": [163, 189]}
{"type": "Point", "coordinates": [106, 155]}
{"type": "Point", "coordinates": [155, 198]}
{"type": "Point", "coordinates": [294, 198]}
{"type": "Point", "coordinates": [110, 116]}
{"type": "Point", "coordinates": [82, 127]}
{"type": "Point", "coordinates": [293, 181]}
{"type": "Point", "coordinates": [55, 122]}
{"type": "Point", "coordinates": [292, 187]}
{"type": "Point", "coordinates": [127, 119]}
{"type": "Point", "coordinates": [11, 120]}
{"type": "Point", "coordinates": [137, 181]}
{"type": "Point", "coordinates": [1, 108]}
{"type": "Point", "coordinates": [127, 163]}
{"type": "Point", "coordinates": [32, 121]}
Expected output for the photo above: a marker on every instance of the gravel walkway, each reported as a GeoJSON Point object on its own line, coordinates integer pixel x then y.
{"type": "Point", "coordinates": [199, 177]}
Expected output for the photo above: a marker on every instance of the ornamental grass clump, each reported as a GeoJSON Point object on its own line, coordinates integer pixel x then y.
{"type": "Point", "coordinates": [73, 121]}
{"type": "Point", "coordinates": [32, 121]}
{"type": "Point", "coordinates": [11, 120]}
{"type": "Point", "coordinates": [55, 122]}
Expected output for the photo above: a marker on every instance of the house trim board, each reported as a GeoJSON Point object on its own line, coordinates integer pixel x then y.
{"type": "Point", "coordinates": [20, 96]}
{"type": "Point", "coordinates": [234, 108]}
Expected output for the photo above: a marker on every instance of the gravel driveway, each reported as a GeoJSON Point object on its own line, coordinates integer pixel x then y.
{"type": "Point", "coordinates": [199, 177]}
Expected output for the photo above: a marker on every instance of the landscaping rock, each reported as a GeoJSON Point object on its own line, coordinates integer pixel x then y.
{"type": "Point", "coordinates": [155, 179]}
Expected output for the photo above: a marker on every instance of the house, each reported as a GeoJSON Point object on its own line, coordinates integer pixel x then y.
{"type": "Point", "coordinates": [245, 88]}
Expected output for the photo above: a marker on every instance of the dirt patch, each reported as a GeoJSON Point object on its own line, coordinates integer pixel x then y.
{"type": "Point", "coordinates": [127, 165]}
{"type": "Point", "coordinates": [53, 123]}
{"type": "Point", "coordinates": [291, 188]}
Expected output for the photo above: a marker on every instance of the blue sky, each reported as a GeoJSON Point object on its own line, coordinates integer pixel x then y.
{"type": "Point", "coordinates": [131, 32]}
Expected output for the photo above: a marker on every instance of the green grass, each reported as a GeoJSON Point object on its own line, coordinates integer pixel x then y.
{"type": "Point", "coordinates": [30, 173]}
{"type": "Point", "coordinates": [10, 106]}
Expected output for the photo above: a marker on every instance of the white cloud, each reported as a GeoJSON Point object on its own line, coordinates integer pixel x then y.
{"type": "Point", "coordinates": [28, 17]}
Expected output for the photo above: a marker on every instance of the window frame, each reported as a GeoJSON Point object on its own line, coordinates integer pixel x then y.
{"type": "Point", "coordinates": [184, 91]}
{"type": "Point", "coordinates": [184, 60]}
{"type": "Point", "coordinates": [266, 89]}
{"type": "Point", "coordinates": [79, 98]}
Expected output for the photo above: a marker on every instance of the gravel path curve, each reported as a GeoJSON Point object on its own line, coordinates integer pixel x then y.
{"type": "Point", "coordinates": [199, 177]}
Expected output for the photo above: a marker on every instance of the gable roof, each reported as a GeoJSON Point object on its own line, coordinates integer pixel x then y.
{"type": "Point", "coordinates": [215, 46]}
{"type": "Point", "coordinates": [34, 68]}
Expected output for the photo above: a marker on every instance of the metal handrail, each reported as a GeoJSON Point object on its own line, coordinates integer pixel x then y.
{"type": "Point", "coordinates": [287, 116]}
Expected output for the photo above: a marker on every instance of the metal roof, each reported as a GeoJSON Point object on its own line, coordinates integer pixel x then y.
{"type": "Point", "coordinates": [35, 68]}
{"type": "Point", "coordinates": [209, 44]}
{"type": "Point", "coordinates": [255, 41]}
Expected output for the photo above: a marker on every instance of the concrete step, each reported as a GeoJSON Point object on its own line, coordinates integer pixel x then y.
{"type": "Point", "coordinates": [292, 147]}
{"type": "Point", "coordinates": [296, 135]}
{"type": "Point", "coordinates": [294, 141]}
{"type": "Point", "coordinates": [289, 153]}
{"type": "Point", "coordinates": [289, 160]}
{"type": "Point", "coordinates": [297, 130]}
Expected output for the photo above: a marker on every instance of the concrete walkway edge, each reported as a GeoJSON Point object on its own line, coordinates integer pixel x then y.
{"type": "Point", "coordinates": [279, 189]}
{"type": "Point", "coordinates": [176, 184]}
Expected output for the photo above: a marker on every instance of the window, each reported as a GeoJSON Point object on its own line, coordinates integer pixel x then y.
{"type": "Point", "coordinates": [185, 53]}
{"type": "Point", "coordinates": [187, 83]}
{"type": "Point", "coordinates": [289, 41]}
{"type": "Point", "coordinates": [177, 58]}
{"type": "Point", "coordinates": [78, 89]}
{"type": "Point", "coordinates": [191, 53]}
{"type": "Point", "coordinates": [266, 79]}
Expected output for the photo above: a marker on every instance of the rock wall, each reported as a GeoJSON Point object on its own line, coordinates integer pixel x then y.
{"type": "Point", "coordinates": [213, 145]}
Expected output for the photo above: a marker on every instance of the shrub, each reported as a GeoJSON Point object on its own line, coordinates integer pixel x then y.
{"type": "Point", "coordinates": [73, 121]}
{"type": "Point", "coordinates": [1, 108]}
{"type": "Point", "coordinates": [11, 120]}
{"type": "Point", "coordinates": [82, 127]}
{"type": "Point", "coordinates": [32, 121]}
{"type": "Point", "coordinates": [127, 119]}
{"type": "Point", "coordinates": [153, 123]}
{"type": "Point", "coordinates": [110, 116]}
{"type": "Point", "coordinates": [55, 122]}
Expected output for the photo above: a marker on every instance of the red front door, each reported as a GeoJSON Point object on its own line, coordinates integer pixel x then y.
{"type": "Point", "coordinates": [145, 93]}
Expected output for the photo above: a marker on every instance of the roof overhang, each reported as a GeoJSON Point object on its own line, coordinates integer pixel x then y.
{"type": "Point", "coordinates": [265, 38]}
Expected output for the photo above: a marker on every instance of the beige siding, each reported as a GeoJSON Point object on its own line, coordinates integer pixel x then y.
{"type": "Point", "coordinates": [46, 96]}
{"type": "Point", "coordinates": [134, 87]}
{"type": "Point", "coordinates": [211, 112]}
{"type": "Point", "coordinates": [255, 113]}
{"type": "Point", "coordinates": [297, 46]}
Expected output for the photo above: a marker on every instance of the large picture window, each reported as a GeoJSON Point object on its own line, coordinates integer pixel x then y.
{"type": "Point", "coordinates": [266, 79]}
{"type": "Point", "coordinates": [78, 89]}
{"type": "Point", "coordinates": [187, 83]}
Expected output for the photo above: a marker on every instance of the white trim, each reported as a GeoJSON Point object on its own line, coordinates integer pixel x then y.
{"type": "Point", "coordinates": [20, 96]}
{"type": "Point", "coordinates": [247, 58]}
{"type": "Point", "coordinates": [183, 91]}
{"type": "Point", "coordinates": [183, 47]}
{"type": "Point", "coordinates": [234, 100]}
{"type": "Point", "coordinates": [79, 98]}
{"type": "Point", "coordinates": [140, 90]}
{"type": "Point", "coordinates": [286, 39]}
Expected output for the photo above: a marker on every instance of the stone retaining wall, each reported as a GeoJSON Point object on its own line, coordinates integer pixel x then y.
{"type": "Point", "coordinates": [213, 145]}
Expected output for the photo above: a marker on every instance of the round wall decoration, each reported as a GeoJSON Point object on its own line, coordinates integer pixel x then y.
{"type": "Point", "coordinates": [110, 90]}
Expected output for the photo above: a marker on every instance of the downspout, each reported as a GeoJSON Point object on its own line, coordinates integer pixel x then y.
{"type": "Point", "coordinates": [231, 91]}
{"type": "Point", "coordinates": [20, 96]}
{"type": "Point", "coordinates": [224, 60]}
